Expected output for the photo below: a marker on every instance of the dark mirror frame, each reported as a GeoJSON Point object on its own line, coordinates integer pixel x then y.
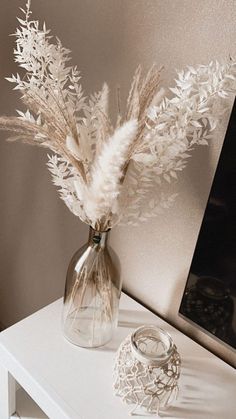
{"type": "Point", "coordinates": [209, 299]}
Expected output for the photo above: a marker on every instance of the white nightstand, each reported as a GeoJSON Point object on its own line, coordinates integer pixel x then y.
{"type": "Point", "coordinates": [68, 382]}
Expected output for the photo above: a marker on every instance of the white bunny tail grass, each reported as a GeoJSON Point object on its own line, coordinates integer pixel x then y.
{"type": "Point", "coordinates": [107, 173]}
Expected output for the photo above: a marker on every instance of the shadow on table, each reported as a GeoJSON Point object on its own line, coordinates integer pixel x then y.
{"type": "Point", "coordinates": [133, 318]}
{"type": "Point", "coordinates": [128, 321]}
{"type": "Point", "coordinates": [203, 391]}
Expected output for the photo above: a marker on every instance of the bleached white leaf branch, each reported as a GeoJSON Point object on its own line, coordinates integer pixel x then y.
{"type": "Point", "coordinates": [110, 174]}
{"type": "Point", "coordinates": [173, 129]}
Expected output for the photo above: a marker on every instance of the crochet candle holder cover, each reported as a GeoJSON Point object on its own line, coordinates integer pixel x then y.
{"type": "Point", "coordinates": [147, 370]}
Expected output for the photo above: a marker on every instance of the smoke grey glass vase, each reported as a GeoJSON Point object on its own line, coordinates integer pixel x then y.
{"type": "Point", "coordinates": [92, 293]}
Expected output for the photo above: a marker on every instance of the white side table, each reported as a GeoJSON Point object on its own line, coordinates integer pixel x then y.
{"type": "Point", "coordinates": [68, 382]}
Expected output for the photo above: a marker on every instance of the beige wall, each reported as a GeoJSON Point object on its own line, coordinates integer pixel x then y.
{"type": "Point", "coordinates": [38, 234]}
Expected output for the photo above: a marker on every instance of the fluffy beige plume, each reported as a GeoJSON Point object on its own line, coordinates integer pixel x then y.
{"type": "Point", "coordinates": [73, 146]}
{"type": "Point", "coordinates": [101, 195]}
{"type": "Point", "coordinates": [103, 125]}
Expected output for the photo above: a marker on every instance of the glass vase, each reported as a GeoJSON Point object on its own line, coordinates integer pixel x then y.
{"type": "Point", "coordinates": [92, 293]}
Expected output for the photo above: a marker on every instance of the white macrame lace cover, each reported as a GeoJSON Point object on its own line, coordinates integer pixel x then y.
{"type": "Point", "coordinates": [148, 387]}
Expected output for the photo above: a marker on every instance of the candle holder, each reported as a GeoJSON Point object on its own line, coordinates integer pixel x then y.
{"type": "Point", "coordinates": [147, 370]}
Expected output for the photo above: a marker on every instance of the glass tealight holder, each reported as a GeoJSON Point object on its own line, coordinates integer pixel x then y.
{"type": "Point", "coordinates": [147, 370]}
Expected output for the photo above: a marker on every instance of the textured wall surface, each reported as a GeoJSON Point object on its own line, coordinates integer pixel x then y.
{"type": "Point", "coordinates": [109, 38]}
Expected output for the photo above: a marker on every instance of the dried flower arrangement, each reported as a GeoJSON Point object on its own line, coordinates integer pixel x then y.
{"type": "Point", "coordinates": [111, 174]}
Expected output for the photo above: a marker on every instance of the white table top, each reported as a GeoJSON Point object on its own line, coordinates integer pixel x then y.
{"type": "Point", "coordinates": [69, 382]}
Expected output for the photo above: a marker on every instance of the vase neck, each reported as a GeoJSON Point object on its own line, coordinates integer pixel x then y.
{"type": "Point", "coordinates": [98, 237]}
{"type": "Point", "coordinates": [151, 345]}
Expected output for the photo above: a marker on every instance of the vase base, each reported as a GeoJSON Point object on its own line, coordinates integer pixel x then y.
{"type": "Point", "coordinates": [84, 346]}
{"type": "Point", "coordinates": [83, 328]}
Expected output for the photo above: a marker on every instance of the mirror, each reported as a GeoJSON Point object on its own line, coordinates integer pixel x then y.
{"type": "Point", "coordinates": [209, 298]}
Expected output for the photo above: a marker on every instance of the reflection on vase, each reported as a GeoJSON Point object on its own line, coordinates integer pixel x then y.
{"type": "Point", "coordinates": [92, 293]}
